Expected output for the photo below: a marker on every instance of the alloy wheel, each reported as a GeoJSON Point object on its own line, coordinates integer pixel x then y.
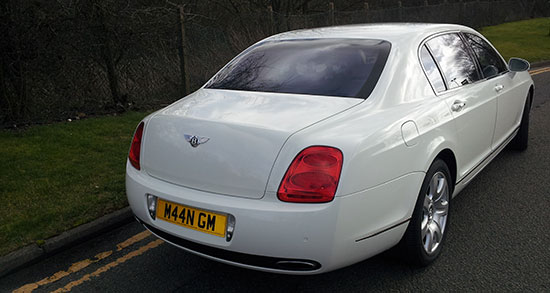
{"type": "Point", "coordinates": [434, 212]}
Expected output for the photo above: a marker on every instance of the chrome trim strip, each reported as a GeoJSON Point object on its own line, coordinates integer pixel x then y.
{"type": "Point", "coordinates": [380, 232]}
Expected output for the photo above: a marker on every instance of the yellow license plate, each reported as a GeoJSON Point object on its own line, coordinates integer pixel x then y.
{"type": "Point", "coordinates": [192, 218]}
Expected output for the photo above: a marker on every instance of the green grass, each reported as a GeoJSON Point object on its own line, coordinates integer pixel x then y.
{"type": "Point", "coordinates": [55, 177]}
{"type": "Point", "coordinates": [527, 39]}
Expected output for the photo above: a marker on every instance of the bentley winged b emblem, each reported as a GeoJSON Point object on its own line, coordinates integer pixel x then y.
{"type": "Point", "coordinates": [195, 141]}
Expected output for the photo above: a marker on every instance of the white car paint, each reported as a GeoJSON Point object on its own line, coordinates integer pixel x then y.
{"type": "Point", "coordinates": [508, 117]}
{"type": "Point", "coordinates": [243, 121]}
{"type": "Point", "coordinates": [388, 140]}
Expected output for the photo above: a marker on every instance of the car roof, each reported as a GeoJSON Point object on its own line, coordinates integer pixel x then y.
{"type": "Point", "coordinates": [396, 33]}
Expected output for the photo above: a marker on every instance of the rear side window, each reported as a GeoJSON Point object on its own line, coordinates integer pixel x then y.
{"type": "Point", "coordinates": [489, 60]}
{"type": "Point", "coordinates": [454, 60]}
{"type": "Point", "coordinates": [329, 67]}
{"type": "Point", "coordinates": [431, 70]}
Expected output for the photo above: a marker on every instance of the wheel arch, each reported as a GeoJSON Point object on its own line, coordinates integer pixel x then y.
{"type": "Point", "coordinates": [449, 158]}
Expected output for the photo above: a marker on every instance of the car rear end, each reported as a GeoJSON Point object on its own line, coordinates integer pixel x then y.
{"type": "Point", "coordinates": [198, 170]}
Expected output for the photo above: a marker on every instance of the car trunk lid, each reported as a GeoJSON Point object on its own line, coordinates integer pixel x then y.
{"type": "Point", "coordinates": [241, 134]}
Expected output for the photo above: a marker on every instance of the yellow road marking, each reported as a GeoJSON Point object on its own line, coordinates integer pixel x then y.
{"type": "Point", "coordinates": [136, 238]}
{"type": "Point", "coordinates": [61, 274]}
{"type": "Point", "coordinates": [110, 265]}
{"type": "Point", "coordinates": [77, 266]}
{"type": "Point", "coordinates": [540, 70]}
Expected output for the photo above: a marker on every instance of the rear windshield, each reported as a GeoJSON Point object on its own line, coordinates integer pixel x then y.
{"type": "Point", "coordinates": [328, 67]}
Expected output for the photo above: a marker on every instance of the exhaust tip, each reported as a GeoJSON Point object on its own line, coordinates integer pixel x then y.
{"type": "Point", "coordinates": [297, 265]}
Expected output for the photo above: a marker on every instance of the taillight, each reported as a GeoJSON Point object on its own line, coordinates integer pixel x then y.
{"type": "Point", "coordinates": [313, 176]}
{"type": "Point", "coordinates": [135, 148]}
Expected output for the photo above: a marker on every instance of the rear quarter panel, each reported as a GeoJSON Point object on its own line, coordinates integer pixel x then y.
{"type": "Point", "coordinates": [381, 175]}
{"type": "Point", "coordinates": [369, 134]}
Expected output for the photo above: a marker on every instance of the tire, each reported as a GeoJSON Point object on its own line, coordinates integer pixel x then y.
{"type": "Point", "coordinates": [521, 141]}
{"type": "Point", "coordinates": [427, 229]}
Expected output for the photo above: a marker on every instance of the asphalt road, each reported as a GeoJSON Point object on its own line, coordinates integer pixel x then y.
{"type": "Point", "coordinates": [499, 240]}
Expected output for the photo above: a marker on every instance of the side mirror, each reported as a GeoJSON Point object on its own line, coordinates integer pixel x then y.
{"type": "Point", "coordinates": [518, 65]}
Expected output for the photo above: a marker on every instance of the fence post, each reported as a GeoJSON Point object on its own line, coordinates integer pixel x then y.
{"type": "Point", "coordinates": [399, 10]}
{"type": "Point", "coordinates": [182, 50]}
{"type": "Point", "coordinates": [461, 12]}
{"type": "Point", "coordinates": [271, 21]}
{"type": "Point", "coordinates": [331, 12]}
{"type": "Point", "coordinates": [304, 7]}
{"type": "Point", "coordinates": [366, 8]}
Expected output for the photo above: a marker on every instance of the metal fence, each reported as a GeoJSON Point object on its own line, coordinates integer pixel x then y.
{"type": "Point", "coordinates": [64, 59]}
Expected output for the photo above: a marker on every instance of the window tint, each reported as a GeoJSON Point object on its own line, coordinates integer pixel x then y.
{"type": "Point", "coordinates": [331, 67]}
{"type": "Point", "coordinates": [452, 56]}
{"type": "Point", "coordinates": [431, 70]}
{"type": "Point", "coordinates": [489, 60]}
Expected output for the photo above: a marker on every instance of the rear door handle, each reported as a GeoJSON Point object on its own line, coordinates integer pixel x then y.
{"type": "Point", "coordinates": [458, 105]}
{"type": "Point", "coordinates": [499, 88]}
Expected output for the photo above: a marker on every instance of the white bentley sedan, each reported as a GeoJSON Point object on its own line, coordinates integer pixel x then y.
{"type": "Point", "coordinates": [315, 149]}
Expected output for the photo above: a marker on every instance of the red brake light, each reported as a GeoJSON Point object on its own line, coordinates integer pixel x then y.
{"type": "Point", "coordinates": [313, 176]}
{"type": "Point", "coordinates": [135, 148]}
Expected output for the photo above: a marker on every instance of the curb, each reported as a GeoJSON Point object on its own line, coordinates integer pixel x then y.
{"type": "Point", "coordinates": [32, 253]}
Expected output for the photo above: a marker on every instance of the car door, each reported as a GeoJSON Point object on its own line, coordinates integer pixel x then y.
{"type": "Point", "coordinates": [473, 103]}
{"type": "Point", "coordinates": [510, 99]}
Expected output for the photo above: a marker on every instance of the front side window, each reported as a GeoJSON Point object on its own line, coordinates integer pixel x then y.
{"type": "Point", "coordinates": [454, 60]}
{"type": "Point", "coordinates": [431, 70]}
{"type": "Point", "coordinates": [489, 60]}
{"type": "Point", "coordinates": [329, 67]}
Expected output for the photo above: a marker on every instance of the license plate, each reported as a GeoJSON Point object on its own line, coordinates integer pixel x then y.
{"type": "Point", "coordinates": [192, 218]}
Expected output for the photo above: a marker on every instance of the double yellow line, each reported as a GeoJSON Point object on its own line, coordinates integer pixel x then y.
{"type": "Point", "coordinates": [539, 70]}
{"type": "Point", "coordinates": [85, 263]}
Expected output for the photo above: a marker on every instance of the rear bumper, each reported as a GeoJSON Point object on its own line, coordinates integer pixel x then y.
{"type": "Point", "coordinates": [275, 236]}
{"type": "Point", "coordinates": [258, 261]}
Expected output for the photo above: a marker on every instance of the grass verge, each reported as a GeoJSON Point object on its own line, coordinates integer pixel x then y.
{"type": "Point", "coordinates": [527, 39]}
{"type": "Point", "coordinates": [55, 177]}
